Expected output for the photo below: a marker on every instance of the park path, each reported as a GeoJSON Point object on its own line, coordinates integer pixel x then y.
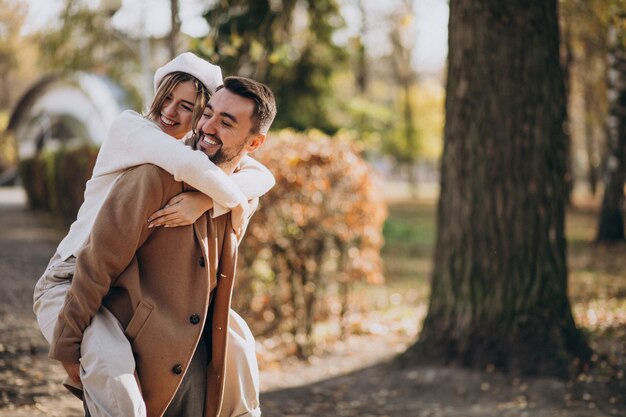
{"type": "Point", "coordinates": [28, 379]}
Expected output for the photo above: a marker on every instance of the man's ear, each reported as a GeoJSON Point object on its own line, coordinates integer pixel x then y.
{"type": "Point", "coordinates": [257, 140]}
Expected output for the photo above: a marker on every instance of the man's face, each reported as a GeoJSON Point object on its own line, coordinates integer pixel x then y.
{"type": "Point", "coordinates": [224, 129]}
{"type": "Point", "coordinates": [177, 111]}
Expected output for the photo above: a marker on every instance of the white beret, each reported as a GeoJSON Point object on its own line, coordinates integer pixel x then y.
{"type": "Point", "coordinates": [210, 75]}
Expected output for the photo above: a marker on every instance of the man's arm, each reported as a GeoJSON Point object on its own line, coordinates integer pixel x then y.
{"type": "Point", "coordinates": [119, 230]}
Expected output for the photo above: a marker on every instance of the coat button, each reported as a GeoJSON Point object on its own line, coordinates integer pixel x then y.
{"type": "Point", "coordinates": [194, 319]}
{"type": "Point", "coordinates": [177, 369]}
{"type": "Point", "coordinates": [202, 262]}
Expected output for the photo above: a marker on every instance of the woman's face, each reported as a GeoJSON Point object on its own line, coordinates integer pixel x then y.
{"type": "Point", "coordinates": [177, 111]}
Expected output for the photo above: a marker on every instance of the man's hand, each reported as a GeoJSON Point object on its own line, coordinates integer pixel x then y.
{"type": "Point", "coordinates": [73, 370]}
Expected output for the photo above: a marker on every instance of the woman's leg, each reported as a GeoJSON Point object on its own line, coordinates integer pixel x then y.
{"type": "Point", "coordinates": [241, 384]}
{"type": "Point", "coordinates": [108, 387]}
{"type": "Point", "coordinates": [108, 370]}
{"type": "Point", "coordinates": [50, 292]}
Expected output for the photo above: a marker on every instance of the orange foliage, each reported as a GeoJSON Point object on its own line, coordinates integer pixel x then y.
{"type": "Point", "coordinates": [321, 225]}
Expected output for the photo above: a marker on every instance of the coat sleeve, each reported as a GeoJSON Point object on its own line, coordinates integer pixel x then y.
{"type": "Point", "coordinates": [132, 140]}
{"type": "Point", "coordinates": [119, 230]}
{"type": "Point", "coordinates": [254, 204]}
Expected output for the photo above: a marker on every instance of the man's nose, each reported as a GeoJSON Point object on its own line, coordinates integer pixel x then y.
{"type": "Point", "coordinates": [208, 125]}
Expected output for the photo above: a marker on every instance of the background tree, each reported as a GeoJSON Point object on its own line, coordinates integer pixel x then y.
{"type": "Point", "coordinates": [586, 23]}
{"type": "Point", "coordinates": [288, 45]}
{"type": "Point", "coordinates": [405, 145]}
{"type": "Point", "coordinates": [611, 221]}
{"type": "Point", "coordinates": [174, 29]}
{"type": "Point", "coordinates": [361, 68]}
{"type": "Point", "coordinates": [12, 16]}
{"type": "Point", "coordinates": [86, 41]}
{"type": "Point", "coordinates": [17, 55]}
{"type": "Point", "coordinates": [499, 286]}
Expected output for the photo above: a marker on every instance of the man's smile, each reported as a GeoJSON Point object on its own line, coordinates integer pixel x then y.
{"type": "Point", "coordinates": [210, 141]}
{"type": "Point", "coordinates": [209, 144]}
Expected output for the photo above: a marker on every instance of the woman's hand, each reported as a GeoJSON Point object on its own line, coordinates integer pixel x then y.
{"type": "Point", "coordinates": [182, 210]}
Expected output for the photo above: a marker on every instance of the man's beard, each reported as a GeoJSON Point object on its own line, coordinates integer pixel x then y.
{"type": "Point", "coordinates": [221, 158]}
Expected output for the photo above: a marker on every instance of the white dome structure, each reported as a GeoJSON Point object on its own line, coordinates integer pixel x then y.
{"type": "Point", "coordinates": [65, 111]}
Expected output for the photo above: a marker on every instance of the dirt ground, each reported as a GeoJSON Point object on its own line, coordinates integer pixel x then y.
{"type": "Point", "coordinates": [354, 378]}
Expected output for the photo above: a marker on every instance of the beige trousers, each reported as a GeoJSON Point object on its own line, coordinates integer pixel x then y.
{"type": "Point", "coordinates": [108, 366]}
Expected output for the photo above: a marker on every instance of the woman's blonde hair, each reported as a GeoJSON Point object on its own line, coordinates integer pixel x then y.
{"type": "Point", "coordinates": [167, 85]}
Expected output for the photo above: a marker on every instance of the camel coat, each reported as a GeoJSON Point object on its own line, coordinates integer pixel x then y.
{"type": "Point", "coordinates": [166, 286]}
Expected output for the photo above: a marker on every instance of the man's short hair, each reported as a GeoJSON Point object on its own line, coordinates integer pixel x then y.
{"type": "Point", "coordinates": [263, 98]}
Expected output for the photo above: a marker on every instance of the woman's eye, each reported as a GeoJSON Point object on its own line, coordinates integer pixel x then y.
{"type": "Point", "coordinates": [186, 108]}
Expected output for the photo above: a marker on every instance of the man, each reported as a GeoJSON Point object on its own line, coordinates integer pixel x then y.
{"type": "Point", "coordinates": [170, 289]}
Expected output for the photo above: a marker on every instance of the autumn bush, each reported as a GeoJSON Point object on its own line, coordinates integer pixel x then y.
{"type": "Point", "coordinates": [8, 147]}
{"type": "Point", "coordinates": [316, 232]}
{"type": "Point", "coordinates": [56, 180]}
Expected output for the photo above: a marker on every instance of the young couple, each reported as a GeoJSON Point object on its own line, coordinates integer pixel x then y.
{"type": "Point", "coordinates": [139, 314]}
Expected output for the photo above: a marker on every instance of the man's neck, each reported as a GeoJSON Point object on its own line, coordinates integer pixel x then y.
{"type": "Point", "coordinates": [228, 168]}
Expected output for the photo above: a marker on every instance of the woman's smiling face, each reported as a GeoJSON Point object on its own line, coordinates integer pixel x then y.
{"type": "Point", "coordinates": [176, 114]}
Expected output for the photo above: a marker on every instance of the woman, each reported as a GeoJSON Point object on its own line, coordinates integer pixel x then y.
{"type": "Point", "coordinates": [182, 89]}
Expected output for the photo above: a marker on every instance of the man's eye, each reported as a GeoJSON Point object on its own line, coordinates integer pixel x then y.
{"type": "Point", "coordinates": [227, 124]}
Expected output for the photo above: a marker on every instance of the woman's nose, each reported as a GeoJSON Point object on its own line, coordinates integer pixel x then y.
{"type": "Point", "coordinates": [169, 108]}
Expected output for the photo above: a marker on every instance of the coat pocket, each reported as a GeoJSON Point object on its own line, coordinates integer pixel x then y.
{"type": "Point", "coordinates": [138, 321]}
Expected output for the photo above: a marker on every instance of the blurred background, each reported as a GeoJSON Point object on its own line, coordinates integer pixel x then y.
{"type": "Point", "coordinates": [349, 252]}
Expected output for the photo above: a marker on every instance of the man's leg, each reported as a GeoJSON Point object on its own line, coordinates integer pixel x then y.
{"type": "Point", "coordinates": [241, 384]}
{"type": "Point", "coordinates": [108, 370]}
{"type": "Point", "coordinates": [191, 394]}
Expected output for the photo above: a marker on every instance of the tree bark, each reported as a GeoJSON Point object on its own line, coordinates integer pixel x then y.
{"type": "Point", "coordinates": [611, 221]}
{"type": "Point", "coordinates": [499, 286]}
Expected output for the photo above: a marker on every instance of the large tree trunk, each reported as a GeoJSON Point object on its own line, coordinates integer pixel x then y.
{"type": "Point", "coordinates": [499, 286]}
{"type": "Point", "coordinates": [611, 221]}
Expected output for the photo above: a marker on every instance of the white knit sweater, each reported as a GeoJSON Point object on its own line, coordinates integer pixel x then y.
{"type": "Point", "coordinates": [134, 140]}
